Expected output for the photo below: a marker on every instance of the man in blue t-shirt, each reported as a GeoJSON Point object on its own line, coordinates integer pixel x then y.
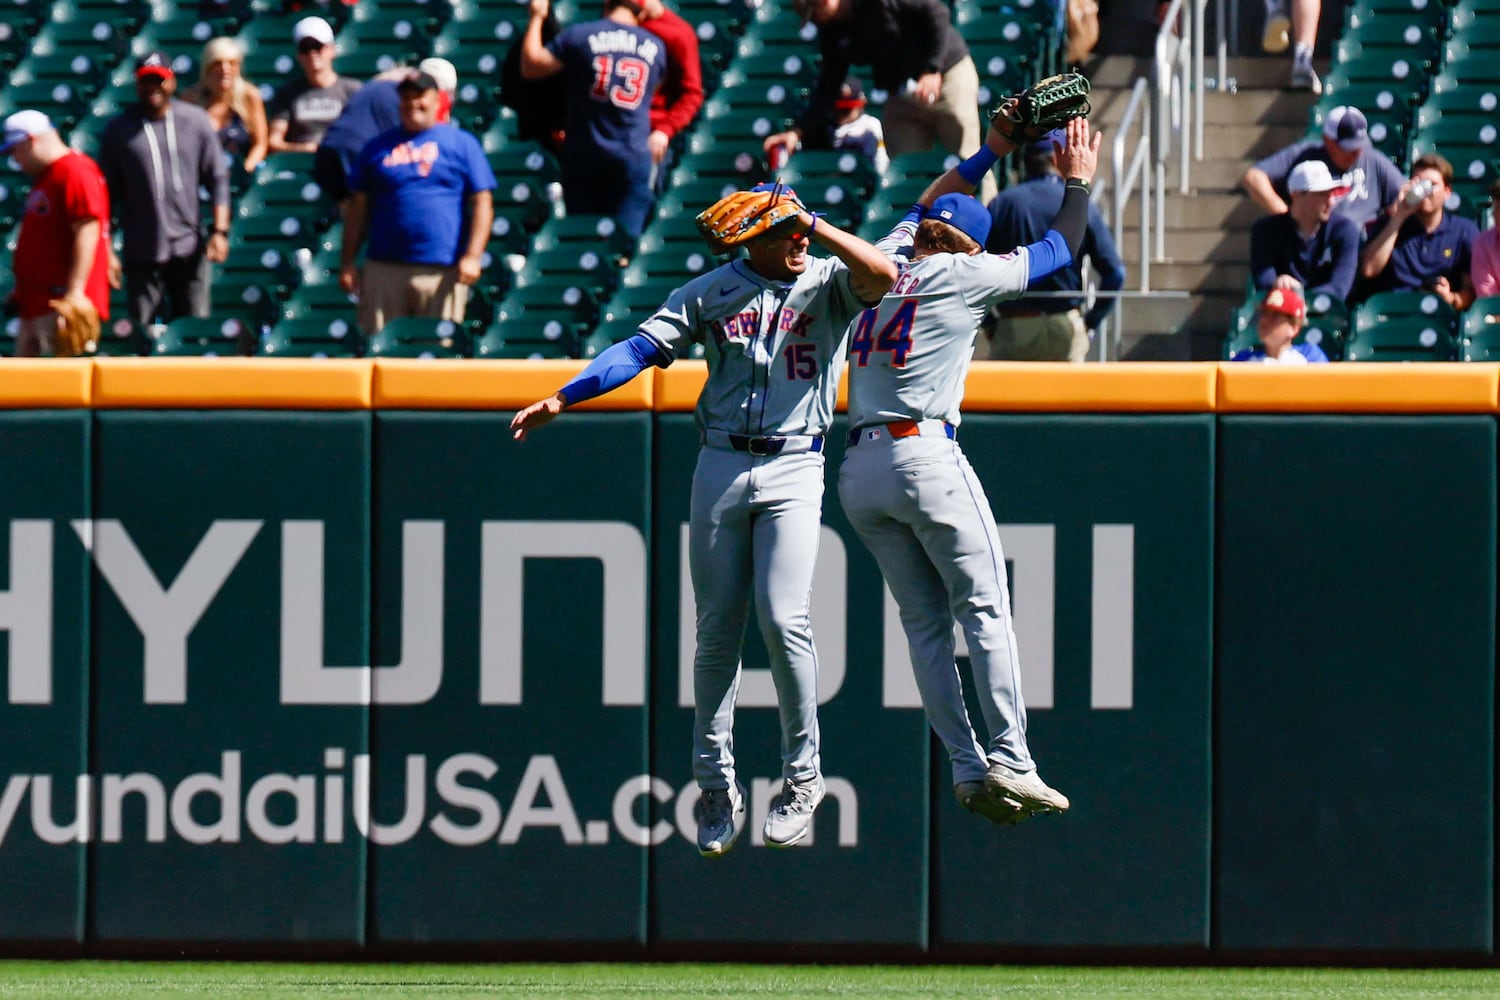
{"type": "Point", "coordinates": [1418, 246]}
{"type": "Point", "coordinates": [613, 67]}
{"type": "Point", "coordinates": [1345, 147]}
{"type": "Point", "coordinates": [1308, 246]}
{"type": "Point", "coordinates": [421, 193]}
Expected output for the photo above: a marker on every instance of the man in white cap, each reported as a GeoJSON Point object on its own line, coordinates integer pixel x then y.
{"type": "Point", "coordinates": [376, 108]}
{"type": "Point", "coordinates": [1308, 246]}
{"type": "Point", "coordinates": [62, 251]}
{"type": "Point", "coordinates": [155, 157]}
{"type": "Point", "coordinates": [301, 111]}
{"type": "Point", "coordinates": [1373, 180]}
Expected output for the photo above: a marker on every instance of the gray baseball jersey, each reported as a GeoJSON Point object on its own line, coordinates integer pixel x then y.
{"type": "Point", "coordinates": [774, 350]}
{"type": "Point", "coordinates": [912, 496]}
{"type": "Point", "coordinates": [909, 355]}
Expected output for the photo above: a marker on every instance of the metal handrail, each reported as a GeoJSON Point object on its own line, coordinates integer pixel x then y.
{"type": "Point", "coordinates": [1124, 178]}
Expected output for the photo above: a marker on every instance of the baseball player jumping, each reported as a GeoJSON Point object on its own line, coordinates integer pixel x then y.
{"type": "Point", "coordinates": [775, 328]}
{"type": "Point", "coordinates": [906, 485]}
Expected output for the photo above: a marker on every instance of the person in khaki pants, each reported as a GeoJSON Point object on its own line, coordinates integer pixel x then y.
{"type": "Point", "coordinates": [421, 196]}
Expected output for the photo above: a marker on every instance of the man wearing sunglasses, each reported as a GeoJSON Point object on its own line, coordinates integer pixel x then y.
{"type": "Point", "coordinates": [302, 110]}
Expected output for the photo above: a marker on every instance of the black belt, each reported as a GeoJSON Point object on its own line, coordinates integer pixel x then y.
{"type": "Point", "coordinates": [764, 446]}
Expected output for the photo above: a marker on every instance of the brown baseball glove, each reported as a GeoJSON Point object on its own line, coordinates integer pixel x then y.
{"type": "Point", "coordinates": [1042, 107]}
{"type": "Point", "coordinates": [737, 218]}
{"type": "Point", "coordinates": [77, 327]}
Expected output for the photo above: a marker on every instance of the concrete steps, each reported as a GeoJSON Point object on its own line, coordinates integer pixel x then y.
{"type": "Point", "coordinates": [1207, 239]}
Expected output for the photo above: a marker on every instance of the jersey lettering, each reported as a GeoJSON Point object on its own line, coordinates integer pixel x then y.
{"type": "Point", "coordinates": [801, 362]}
{"type": "Point", "coordinates": [894, 338]}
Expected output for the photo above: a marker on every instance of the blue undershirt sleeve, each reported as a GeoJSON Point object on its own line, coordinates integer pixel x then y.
{"type": "Point", "coordinates": [1048, 254]}
{"type": "Point", "coordinates": [615, 365]}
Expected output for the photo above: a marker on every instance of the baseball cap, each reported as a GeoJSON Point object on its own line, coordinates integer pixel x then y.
{"type": "Point", "coordinates": [154, 63]}
{"type": "Point", "coordinates": [1346, 125]}
{"type": "Point", "coordinates": [24, 125]}
{"type": "Point", "coordinates": [1044, 145]}
{"type": "Point", "coordinates": [1287, 301]}
{"type": "Point", "coordinates": [418, 81]}
{"type": "Point", "coordinates": [851, 95]}
{"type": "Point", "coordinates": [441, 71]}
{"type": "Point", "coordinates": [964, 213]}
{"type": "Point", "coordinates": [312, 27]}
{"type": "Point", "coordinates": [1314, 176]}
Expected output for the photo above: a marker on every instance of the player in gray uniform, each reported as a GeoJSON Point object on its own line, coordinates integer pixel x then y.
{"type": "Point", "coordinates": [775, 329]}
{"type": "Point", "coordinates": [910, 492]}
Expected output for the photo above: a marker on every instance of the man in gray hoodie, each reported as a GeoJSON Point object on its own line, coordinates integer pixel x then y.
{"type": "Point", "coordinates": [155, 157]}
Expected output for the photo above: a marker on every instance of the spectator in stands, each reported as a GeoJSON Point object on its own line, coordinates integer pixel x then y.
{"type": "Point", "coordinates": [1307, 246]}
{"type": "Point", "coordinates": [234, 105]}
{"type": "Point", "coordinates": [62, 251]}
{"type": "Point", "coordinates": [1373, 179]}
{"type": "Point", "coordinates": [375, 109]}
{"type": "Point", "coordinates": [155, 156]}
{"type": "Point", "coordinates": [1484, 255]}
{"type": "Point", "coordinates": [1300, 33]}
{"type": "Point", "coordinates": [1043, 328]}
{"type": "Point", "coordinates": [302, 110]}
{"type": "Point", "coordinates": [916, 55]}
{"type": "Point", "coordinates": [855, 130]}
{"type": "Point", "coordinates": [1417, 245]}
{"type": "Point", "coordinates": [541, 106]}
{"type": "Point", "coordinates": [421, 194]}
{"type": "Point", "coordinates": [613, 68]}
{"type": "Point", "coordinates": [1277, 322]}
{"type": "Point", "coordinates": [677, 100]}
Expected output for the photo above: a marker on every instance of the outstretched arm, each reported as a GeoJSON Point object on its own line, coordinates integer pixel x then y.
{"type": "Point", "coordinates": [536, 61]}
{"type": "Point", "coordinates": [966, 176]}
{"type": "Point", "coordinates": [615, 365]}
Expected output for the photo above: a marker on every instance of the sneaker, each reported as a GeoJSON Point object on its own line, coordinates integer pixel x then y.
{"type": "Point", "coordinates": [1304, 77]}
{"type": "Point", "coordinates": [1025, 788]}
{"type": "Point", "coordinates": [1278, 34]}
{"type": "Point", "coordinates": [976, 797]}
{"type": "Point", "coordinates": [720, 813]}
{"type": "Point", "coordinates": [790, 818]}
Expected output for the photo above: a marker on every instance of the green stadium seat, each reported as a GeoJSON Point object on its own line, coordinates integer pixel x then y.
{"type": "Point", "coordinates": [119, 337]}
{"type": "Point", "coordinates": [324, 302]}
{"type": "Point", "coordinates": [311, 337]}
{"type": "Point", "coordinates": [599, 232]}
{"type": "Point", "coordinates": [525, 196]}
{"type": "Point", "coordinates": [420, 337]}
{"type": "Point", "coordinates": [65, 103]}
{"type": "Point", "coordinates": [1399, 339]}
{"type": "Point", "coordinates": [547, 313]}
{"type": "Point", "coordinates": [506, 340]}
{"type": "Point", "coordinates": [525, 159]}
{"type": "Point", "coordinates": [192, 336]}
{"type": "Point", "coordinates": [1479, 331]}
{"type": "Point", "coordinates": [1416, 307]}
{"type": "Point", "coordinates": [590, 269]}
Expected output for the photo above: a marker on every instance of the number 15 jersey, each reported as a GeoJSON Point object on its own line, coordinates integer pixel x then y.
{"type": "Point", "coordinates": [909, 354]}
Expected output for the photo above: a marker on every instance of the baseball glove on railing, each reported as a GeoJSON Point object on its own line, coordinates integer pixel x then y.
{"type": "Point", "coordinates": [737, 218]}
{"type": "Point", "coordinates": [1042, 107]}
{"type": "Point", "coordinates": [77, 328]}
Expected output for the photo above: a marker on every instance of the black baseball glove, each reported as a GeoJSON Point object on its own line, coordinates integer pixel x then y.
{"type": "Point", "coordinates": [1042, 107]}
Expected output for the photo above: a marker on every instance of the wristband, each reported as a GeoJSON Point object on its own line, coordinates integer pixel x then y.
{"type": "Point", "coordinates": [975, 167]}
{"type": "Point", "coordinates": [810, 229]}
{"type": "Point", "coordinates": [221, 232]}
{"type": "Point", "coordinates": [1077, 182]}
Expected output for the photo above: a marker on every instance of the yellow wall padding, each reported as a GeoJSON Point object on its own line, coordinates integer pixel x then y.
{"type": "Point", "coordinates": [232, 383]}
{"type": "Point", "coordinates": [1362, 387]}
{"type": "Point", "coordinates": [1058, 387]}
{"type": "Point", "coordinates": [46, 383]}
{"type": "Point", "coordinates": [491, 385]}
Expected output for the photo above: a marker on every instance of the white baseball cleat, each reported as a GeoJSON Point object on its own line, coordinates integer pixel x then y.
{"type": "Point", "coordinates": [720, 813]}
{"type": "Point", "coordinates": [791, 815]}
{"type": "Point", "coordinates": [1025, 788]}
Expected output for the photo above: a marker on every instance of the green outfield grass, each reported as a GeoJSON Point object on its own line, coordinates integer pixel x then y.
{"type": "Point", "coordinates": [128, 980]}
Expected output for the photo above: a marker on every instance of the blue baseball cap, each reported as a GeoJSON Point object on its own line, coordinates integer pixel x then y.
{"type": "Point", "coordinates": [1044, 145]}
{"type": "Point", "coordinates": [964, 213]}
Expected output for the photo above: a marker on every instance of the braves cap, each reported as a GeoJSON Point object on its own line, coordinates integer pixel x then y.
{"type": "Point", "coordinates": [1287, 301]}
{"type": "Point", "coordinates": [851, 95]}
{"type": "Point", "coordinates": [964, 213]}
{"type": "Point", "coordinates": [154, 63]}
{"type": "Point", "coordinates": [441, 71]}
{"type": "Point", "coordinates": [24, 125]}
{"type": "Point", "coordinates": [315, 28]}
{"type": "Point", "coordinates": [1313, 176]}
{"type": "Point", "coordinates": [1346, 125]}
{"type": "Point", "coordinates": [417, 81]}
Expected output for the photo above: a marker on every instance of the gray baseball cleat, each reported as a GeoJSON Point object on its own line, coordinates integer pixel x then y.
{"type": "Point", "coordinates": [1025, 788]}
{"type": "Point", "coordinates": [791, 813]}
{"type": "Point", "coordinates": [720, 813]}
{"type": "Point", "coordinates": [977, 798]}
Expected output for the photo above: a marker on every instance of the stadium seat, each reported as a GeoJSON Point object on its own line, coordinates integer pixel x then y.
{"type": "Point", "coordinates": [597, 232]}
{"type": "Point", "coordinates": [1479, 332]}
{"type": "Point", "coordinates": [1413, 307]}
{"type": "Point", "coordinates": [65, 103]}
{"type": "Point", "coordinates": [547, 313]}
{"type": "Point", "coordinates": [503, 340]}
{"type": "Point", "coordinates": [290, 196]}
{"type": "Point", "coordinates": [420, 337]}
{"type": "Point", "coordinates": [119, 337]}
{"type": "Point", "coordinates": [1400, 339]}
{"type": "Point", "coordinates": [324, 301]}
{"type": "Point", "coordinates": [525, 197]}
{"type": "Point", "coordinates": [589, 268]}
{"type": "Point", "coordinates": [311, 337]}
{"type": "Point", "coordinates": [192, 336]}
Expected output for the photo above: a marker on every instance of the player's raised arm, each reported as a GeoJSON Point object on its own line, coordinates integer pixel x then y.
{"type": "Point", "coordinates": [1077, 161]}
{"type": "Point", "coordinates": [871, 273]}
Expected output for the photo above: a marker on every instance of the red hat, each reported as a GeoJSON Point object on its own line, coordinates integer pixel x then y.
{"type": "Point", "coordinates": [154, 64]}
{"type": "Point", "coordinates": [851, 95]}
{"type": "Point", "coordinates": [1287, 301]}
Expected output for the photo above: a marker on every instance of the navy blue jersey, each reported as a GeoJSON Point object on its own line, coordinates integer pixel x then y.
{"type": "Point", "coordinates": [612, 71]}
{"type": "Point", "coordinates": [1324, 263]}
{"type": "Point", "coordinates": [1419, 258]}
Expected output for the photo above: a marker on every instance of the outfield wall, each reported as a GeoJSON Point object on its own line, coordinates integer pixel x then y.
{"type": "Point", "coordinates": [1256, 612]}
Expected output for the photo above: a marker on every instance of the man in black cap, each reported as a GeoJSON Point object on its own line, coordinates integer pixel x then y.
{"type": "Point", "coordinates": [1373, 180]}
{"type": "Point", "coordinates": [155, 156]}
{"type": "Point", "coordinates": [1044, 328]}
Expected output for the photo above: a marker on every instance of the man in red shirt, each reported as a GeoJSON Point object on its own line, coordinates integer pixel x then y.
{"type": "Point", "coordinates": [62, 252]}
{"type": "Point", "coordinates": [677, 100]}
